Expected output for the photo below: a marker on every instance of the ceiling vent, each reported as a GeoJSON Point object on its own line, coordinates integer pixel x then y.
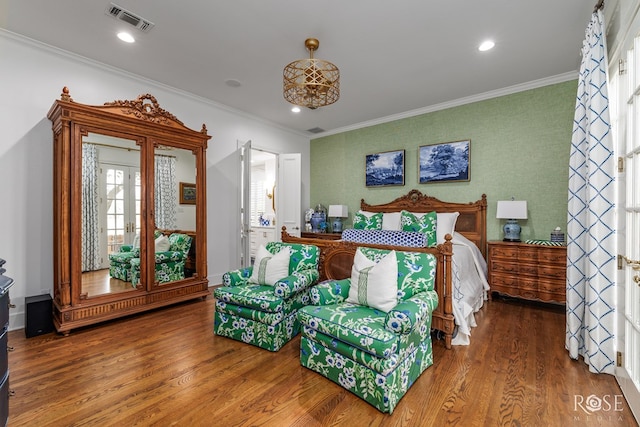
{"type": "Point", "coordinates": [315, 130]}
{"type": "Point", "coordinates": [122, 14]}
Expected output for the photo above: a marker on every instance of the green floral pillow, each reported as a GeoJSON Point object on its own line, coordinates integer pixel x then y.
{"type": "Point", "coordinates": [426, 224]}
{"type": "Point", "coordinates": [364, 222]}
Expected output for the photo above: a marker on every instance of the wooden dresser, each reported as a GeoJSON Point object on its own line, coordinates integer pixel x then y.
{"type": "Point", "coordinates": [534, 272]}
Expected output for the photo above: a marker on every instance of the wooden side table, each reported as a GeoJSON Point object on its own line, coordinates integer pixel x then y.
{"type": "Point", "coordinates": [534, 272]}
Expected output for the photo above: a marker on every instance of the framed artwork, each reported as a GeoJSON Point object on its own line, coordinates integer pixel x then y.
{"type": "Point", "coordinates": [187, 193]}
{"type": "Point", "coordinates": [385, 168]}
{"type": "Point", "coordinates": [446, 162]}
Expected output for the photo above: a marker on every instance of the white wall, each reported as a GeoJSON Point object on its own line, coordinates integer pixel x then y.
{"type": "Point", "coordinates": [31, 79]}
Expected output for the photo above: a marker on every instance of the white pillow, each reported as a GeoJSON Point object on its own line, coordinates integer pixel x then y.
{"type": "Point", "coordinates": [446, 224]}
{"type": "Point", "coordinates": [136, 241]}
{"type": "Point", "coordinates": [390, 220]}
{"type": "Point", "coordinates": [269, 268]}
{"type": "Point", "coordinates": [374, 284]}
{"type": "Point", "coordinates": [162, 243]}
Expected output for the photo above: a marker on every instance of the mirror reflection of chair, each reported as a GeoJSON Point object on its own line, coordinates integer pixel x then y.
{"type": "Point", "coordinates": [120, 262]}
{"type": "Point", "coordinates": [377, 346]}
{"type": "Point", "coordinates": [169, 263]}
{"type": "Point", "coordinates": [258, 304]}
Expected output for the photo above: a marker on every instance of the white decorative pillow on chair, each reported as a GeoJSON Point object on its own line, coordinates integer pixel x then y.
{"type": "Point", "coordinates": [162, 244]}
{"type": "Point", "coordinates": [374, 284]}
{"type": "Point", "coordinates": [269, 268]}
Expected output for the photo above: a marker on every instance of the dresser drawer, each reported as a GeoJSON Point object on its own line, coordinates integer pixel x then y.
{"type": "Point", "coordinates": [4, 399]}
{"type": "Point", "coordinates": [506, 252]}
{"type": "Point", "coordinates": [553, 256]}
{"type": "Point", "coordinates": [554, 286]}
{"type": "Point", "coordinates": [512, 282]}
{"type": "Point", "coordinates": [503, 266]}
{"type": "Point", "coordinates": [552, 272]}
{"type": "Point", "coordinates": [4, 310]}
{"type": "Point", "coordinates": [527, 254]}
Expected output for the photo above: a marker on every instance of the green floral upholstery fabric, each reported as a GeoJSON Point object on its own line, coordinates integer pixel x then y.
{"type": "Point", "coordinates": [373, 354]}
{"type": "Point", "coordinates": [426, 224]}
{"type": "Point", "coordinates": [263, 315]}
{"type": "Point", "coordinates": [120, 262]}
{"type": "Point", "coordinates": [169, 265]}
{"type": "Point", "coordinates": [361, 222]}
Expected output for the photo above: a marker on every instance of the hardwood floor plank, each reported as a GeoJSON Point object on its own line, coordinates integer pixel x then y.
{"type": "Point", "coordinates": [166, 367]}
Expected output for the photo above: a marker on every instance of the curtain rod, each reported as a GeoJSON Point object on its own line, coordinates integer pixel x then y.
{"type": "Point", "coordinates": [124, 148]}
{"type": "Point", "coordinates": [598, 6]}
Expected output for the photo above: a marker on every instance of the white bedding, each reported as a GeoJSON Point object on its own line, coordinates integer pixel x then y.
{"type": "Point", "coordinates": [470, 286]}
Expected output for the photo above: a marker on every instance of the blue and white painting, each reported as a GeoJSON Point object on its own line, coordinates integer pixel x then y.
{"type": "Point", "coordinates": [444, 162]}
{"type": "Point", "coordinates": [385, 168]}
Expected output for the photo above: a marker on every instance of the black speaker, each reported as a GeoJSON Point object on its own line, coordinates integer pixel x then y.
{"type": "Point", "coordinates": [39, 315]}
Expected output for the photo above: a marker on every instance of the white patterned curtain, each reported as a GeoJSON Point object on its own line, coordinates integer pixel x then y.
{"type": "Point", "coordinates": [591, 239]}
{"type": "Point", "coordinates": [165, 194]}
{"type": "Point", "coordinates": [90, 220]}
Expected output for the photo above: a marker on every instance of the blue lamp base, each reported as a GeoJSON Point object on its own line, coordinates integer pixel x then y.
{"type": "Point", "coordinates": [336, 226]}
{"type": "Point", "coordinates": [511, 231]}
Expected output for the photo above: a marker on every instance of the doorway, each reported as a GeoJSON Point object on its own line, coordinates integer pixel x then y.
{"type": "Point", "coordinates": [262, 203]}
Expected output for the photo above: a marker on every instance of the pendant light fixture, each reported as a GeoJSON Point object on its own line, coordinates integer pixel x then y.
{"type": "Point", "coordinates": [311, 83]}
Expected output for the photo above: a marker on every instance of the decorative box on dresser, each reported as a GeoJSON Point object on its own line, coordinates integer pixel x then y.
{"type": "Point", "coordinates": [529, 271]}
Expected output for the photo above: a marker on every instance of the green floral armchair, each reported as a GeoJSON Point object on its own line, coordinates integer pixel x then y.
{"type": "Point", "coordinates": [169, 265]}
{"type": "Point", "coordinates": [374, 354]}
{"type": "Point", "coordinates": [120, 262]}
{"type": "Point", "coordinates": [261, 314]}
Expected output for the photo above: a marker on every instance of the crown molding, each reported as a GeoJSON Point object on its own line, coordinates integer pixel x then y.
{"type": "Point", "coordinates": [535, 84]}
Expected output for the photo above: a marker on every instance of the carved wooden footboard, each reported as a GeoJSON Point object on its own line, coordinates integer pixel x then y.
{"type": "Point", "coordinates": [336, 260]}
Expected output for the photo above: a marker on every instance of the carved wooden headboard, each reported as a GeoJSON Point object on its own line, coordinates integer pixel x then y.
{"type": "Point", "coordinates": [472, 222]}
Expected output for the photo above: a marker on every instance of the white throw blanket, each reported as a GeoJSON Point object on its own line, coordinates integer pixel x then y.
{"type": "Point", "coordinates": [470, 286]}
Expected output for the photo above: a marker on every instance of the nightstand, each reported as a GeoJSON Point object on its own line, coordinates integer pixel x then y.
{"type": "Point", "coordinates": [534, 272]}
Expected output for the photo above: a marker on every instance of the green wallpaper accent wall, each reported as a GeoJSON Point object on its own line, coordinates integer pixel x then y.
{"type": "Point", "coordinates": [519, 147]}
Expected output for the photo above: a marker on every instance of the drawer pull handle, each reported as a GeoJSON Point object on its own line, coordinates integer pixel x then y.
{"type": "Point", "coordinates": [12, 393]}
{"type": "Point", "coordinates": [12, 305]}
{"type": "Point", "coordinates": [10, 348]}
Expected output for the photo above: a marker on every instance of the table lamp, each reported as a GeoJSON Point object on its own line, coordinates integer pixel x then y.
{"type": "Point", "coordinates": [337, 212]}
{"type": "Point", "coordinates": [512, 211]}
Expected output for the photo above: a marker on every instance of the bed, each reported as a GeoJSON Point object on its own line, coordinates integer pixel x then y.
{"type": "Point", "coordinates": [461, 253]}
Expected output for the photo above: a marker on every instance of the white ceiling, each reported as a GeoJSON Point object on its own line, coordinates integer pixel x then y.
{"type": "Point", "coordinates": [394, 57]}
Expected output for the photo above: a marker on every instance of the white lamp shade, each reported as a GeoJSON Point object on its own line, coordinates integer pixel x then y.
{"type": "Point", "coordinates": [512, 209]}
{"type": "Point", "coordinates": [338, 211]}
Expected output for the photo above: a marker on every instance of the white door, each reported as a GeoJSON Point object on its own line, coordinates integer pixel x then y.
{"type": "Point", "coordinates": [288, 198]}
{"type": "Point", "coordinates": [245, 203]}
{"type": "Point", "coordinates": [120, 190]}
{"type": "Point", "coordinates": [625, 93]}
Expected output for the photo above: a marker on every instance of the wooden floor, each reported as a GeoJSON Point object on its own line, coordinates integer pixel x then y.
{"type": "Point", "coordinates": [167, 368]}
{"type": "Point", "coordinates": [99, 282]}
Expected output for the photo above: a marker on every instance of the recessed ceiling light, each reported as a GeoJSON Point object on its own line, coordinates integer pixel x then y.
{"type": "Point", "coordinates": [233, 83]}
{"type": "Point", "coordinates": [126, 37]}
{"type": "Point", "coordinates": [295, 109]}
{"type": "Point", "coordinates": [486, 45]}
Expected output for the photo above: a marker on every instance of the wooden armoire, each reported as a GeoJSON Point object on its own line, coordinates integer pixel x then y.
{"type": "Point", "coordinates": [116, 172]}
